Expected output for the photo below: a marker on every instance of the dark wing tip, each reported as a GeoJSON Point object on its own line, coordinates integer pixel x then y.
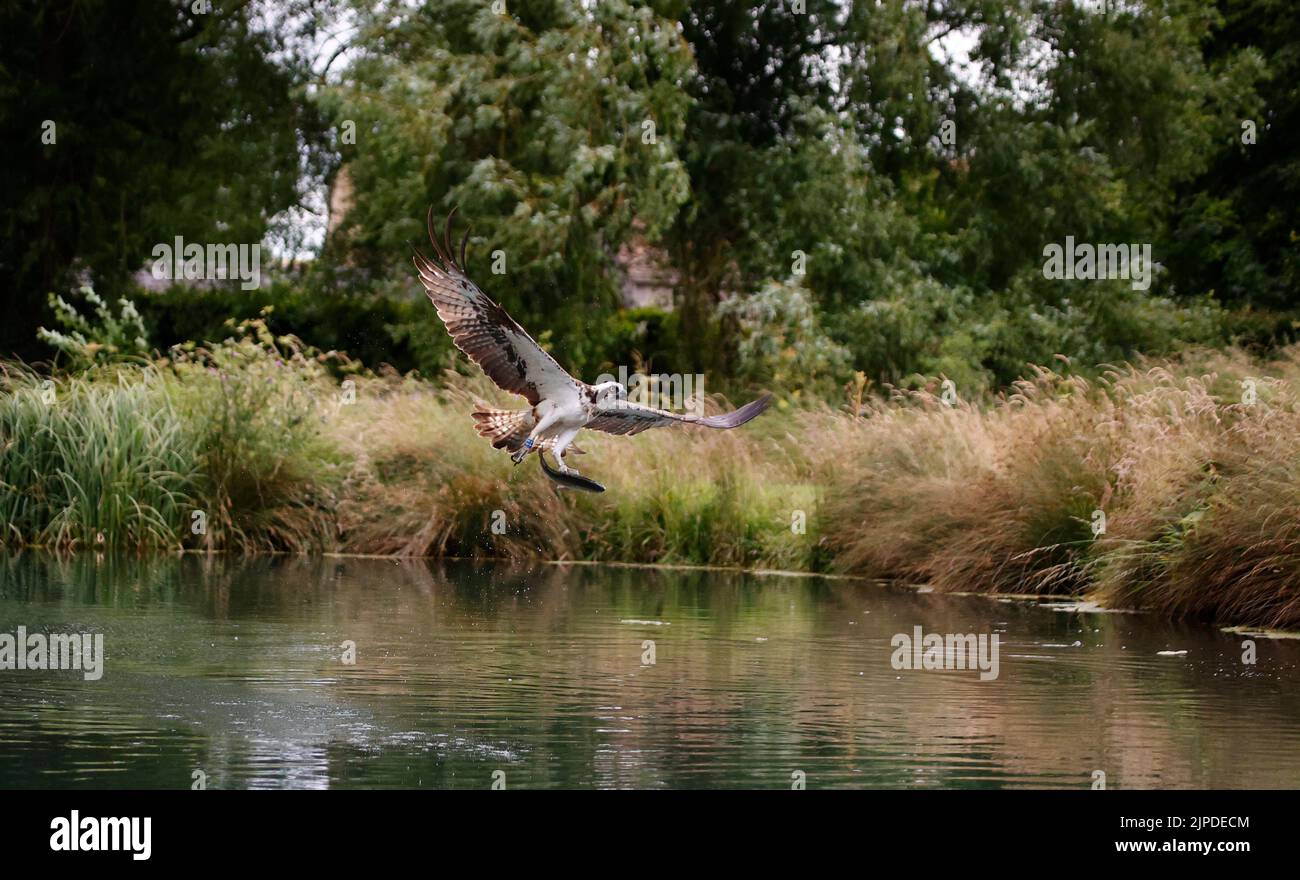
{"type": "Point", "coordinates": [443, 245]}
{"type": "Point", "coordinates": [433, 237]}
{"type": "Point", "coordinates": [738, 417]}
{"type": "Point", "coordinates": [447, 246]}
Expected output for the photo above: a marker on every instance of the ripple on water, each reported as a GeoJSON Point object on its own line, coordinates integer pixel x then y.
{"type": "Point", "coordinates": [619, 678]}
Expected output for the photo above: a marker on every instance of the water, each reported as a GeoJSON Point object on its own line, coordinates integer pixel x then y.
{"type": "Point", "coordinates": [468, 672]}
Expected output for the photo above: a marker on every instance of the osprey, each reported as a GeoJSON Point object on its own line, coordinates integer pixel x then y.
{"type": "Point", "coordinates": [559, 405]}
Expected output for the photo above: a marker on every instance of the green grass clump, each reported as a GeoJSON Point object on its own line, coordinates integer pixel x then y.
{"type": "Point", "coordinates": [219, 448]}
{"type": "Point", "coordinates": [86, 462]}
{"type": "Point", "coordinates": [257, 407]}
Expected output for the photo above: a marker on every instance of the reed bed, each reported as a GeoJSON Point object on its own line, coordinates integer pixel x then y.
{"type": "Point", "coordinates": [88, 463]}
{"type": "Point", "coordinates": [423, 483]}
{"type": "Point", "coordinates": [1172, 485]}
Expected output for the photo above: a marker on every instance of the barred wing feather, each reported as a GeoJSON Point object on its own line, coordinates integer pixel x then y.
{"type": "Point", "coordinates": [485, 332]}
{"type": "Point", "coordinates": [632, 418]}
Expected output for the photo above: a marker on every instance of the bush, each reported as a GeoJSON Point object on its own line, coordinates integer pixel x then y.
{"type": "Point", "coordinates": [85, 341]}
{"type": "Point", "coordinates": [781, 342]}
{"type": "Point", "coordinates": [257, 405]}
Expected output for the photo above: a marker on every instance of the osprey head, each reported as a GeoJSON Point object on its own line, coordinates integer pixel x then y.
{"type": "Point", "coordinates": [606, 393]}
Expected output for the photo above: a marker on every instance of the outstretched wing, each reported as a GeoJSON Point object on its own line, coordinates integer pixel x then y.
{"type": "Point", "coordinates": [633, 418]}
{"type": "Point", "coordinates": [484, 331]}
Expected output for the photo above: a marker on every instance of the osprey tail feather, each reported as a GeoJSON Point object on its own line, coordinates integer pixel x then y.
{"type": "Point", "coordinates": [506, 428]}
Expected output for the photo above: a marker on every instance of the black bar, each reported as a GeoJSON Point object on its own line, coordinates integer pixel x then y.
{"type": "Point", "coordinates": [441, 830]}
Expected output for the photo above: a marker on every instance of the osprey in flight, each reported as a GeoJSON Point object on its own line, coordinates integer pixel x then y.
{"type": "Point", "coordinates": [559, 405]}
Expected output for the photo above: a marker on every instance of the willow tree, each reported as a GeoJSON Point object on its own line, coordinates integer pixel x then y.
{"type": "Point", "coordinates": [554, 127]}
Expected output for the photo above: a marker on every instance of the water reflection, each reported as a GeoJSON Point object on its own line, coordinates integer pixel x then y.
{"type": "Point", "coordinates": [234, 669]}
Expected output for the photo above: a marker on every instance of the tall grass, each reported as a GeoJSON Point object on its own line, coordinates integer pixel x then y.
{"type": "Point", "coordinates": [86, 463]}
{"type": "Point", "coordinates": [1197, 483]}
{"type": "Point", "coordinates": [1195, 474]}
{"type": "Point", "coordinates": [423, 483]}
{"type": "Point", "coordinates": [969, 496]}
{"type": "Point", "coordinates": [258, 406]}
{"type": "Point", "coordinates": [217, 448]}
{"type": "Point", "coordinates": [1210, 520]}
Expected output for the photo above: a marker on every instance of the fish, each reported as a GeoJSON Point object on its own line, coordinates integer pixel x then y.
{"type": "Point", "coordinates": [569, 481]}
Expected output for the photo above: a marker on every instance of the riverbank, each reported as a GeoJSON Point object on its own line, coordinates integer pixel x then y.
{"type": "Point", "coordinates": [1171, 486]}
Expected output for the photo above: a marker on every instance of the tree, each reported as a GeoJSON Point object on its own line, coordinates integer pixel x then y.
{"type": "Point", "coordinates": [759, 69]}
{"type": "Point", "coordinates": [129, 123]}
{"type": "Point", "coordinates": [553, 127]}
{"type": "Point", "coordinates": [1235, 230]}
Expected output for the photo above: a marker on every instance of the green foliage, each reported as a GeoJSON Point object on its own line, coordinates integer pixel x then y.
{"type": "Point", "coordinates": [93, 462]}
{"type": "Point", "coordinates": [1234, 230]}
{"type": "Point", "coordinates": [401, 332]}
{"type": "Point", "coordinates": [781, 343]}
{"type": "Point", "coordinates": [256, 405]}
{"type": "Point", "coordinates": [537, 124]}
{"type": "Point", "coordinates": [736, 139]}
{"type": "Point", "coordinates": [131, 122]}
{"type": "Point", "coordinates": [85, 340]}
{"type": "Point", "coordinates": [125, 455]}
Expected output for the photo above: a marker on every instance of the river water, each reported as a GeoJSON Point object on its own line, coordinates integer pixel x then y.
{"type": "Point", "coordinates": [342, 672]}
